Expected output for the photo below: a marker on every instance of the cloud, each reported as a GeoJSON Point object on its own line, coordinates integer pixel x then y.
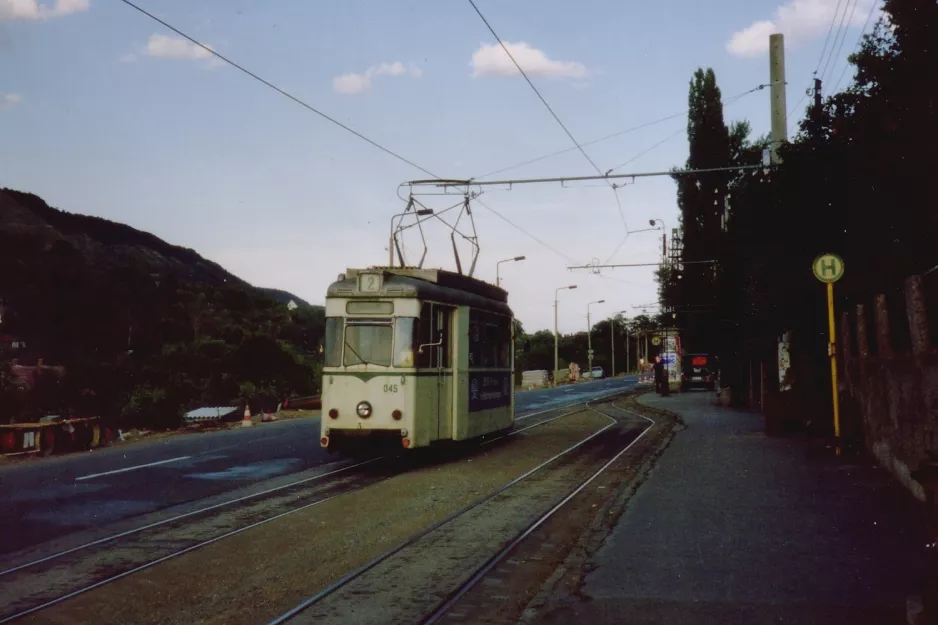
{"type": "Point", "coordinates": [799, 21]}
{"type": "Point", "coordinates": [491, 60]}
{"type": "Point", "coordinates": [352, 83]}
{"type": "Point", "coordinates": [128, 58]}
{"type": "Point", "coordinates": [35, 10]}
{"type": "Point", "coordinates": [9, 100]}
{"type": "Point", "coordinates": [165, 47]}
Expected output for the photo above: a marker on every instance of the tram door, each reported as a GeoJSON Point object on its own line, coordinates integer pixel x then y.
{"type": "Point", "coordinates": [442, 360]}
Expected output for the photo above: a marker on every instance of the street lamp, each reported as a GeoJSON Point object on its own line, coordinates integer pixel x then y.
{"type": "Point", "coordinates": [556, 339]}
{"type": "Point", "coordinates": [498, 281]}
{"type": "Point", "coordinates": [654, 223]}
{"type": "Point", "coordinates": [589, 335]}
{"type": "Point", "coordinates": [420, 213]}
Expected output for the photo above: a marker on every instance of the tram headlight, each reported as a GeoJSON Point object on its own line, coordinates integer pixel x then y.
{"type": "Point", "coordinates": [363, 409]}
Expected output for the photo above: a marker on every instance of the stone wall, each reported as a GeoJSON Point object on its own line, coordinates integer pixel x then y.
{"type": "Point", "coordinates": [893, 392]}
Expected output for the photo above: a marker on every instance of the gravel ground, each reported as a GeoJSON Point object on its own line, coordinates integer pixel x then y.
{"type": "Point", "coordinates": [411, 584]}
{"type": "Point", "coordinates": [256, 575]}
{"type": "Point", "coordinates": [38, 584]}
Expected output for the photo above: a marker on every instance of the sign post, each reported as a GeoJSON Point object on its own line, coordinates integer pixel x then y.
{"type": "Point", "coordinates": [829, 268]}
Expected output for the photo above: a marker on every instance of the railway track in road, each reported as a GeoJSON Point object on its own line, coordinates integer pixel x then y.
{"type": "Point", "coordinates": [45, 581]}
{"type": "Point", "coordinates": [424, 576]}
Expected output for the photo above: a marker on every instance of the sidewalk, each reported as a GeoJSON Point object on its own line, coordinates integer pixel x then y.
{"type": "Point", "coordinates": [733, 527]}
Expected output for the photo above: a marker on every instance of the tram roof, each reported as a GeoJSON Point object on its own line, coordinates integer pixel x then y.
{"type": "Point", "coordinates": [437, 284]}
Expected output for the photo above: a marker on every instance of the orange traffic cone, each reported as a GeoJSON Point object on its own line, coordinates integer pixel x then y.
{"type": "Point", "coordinates": [246, 421]}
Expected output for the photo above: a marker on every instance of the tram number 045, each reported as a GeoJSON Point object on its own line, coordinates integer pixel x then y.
{"type": "Point", "coordinates": [390, 388]}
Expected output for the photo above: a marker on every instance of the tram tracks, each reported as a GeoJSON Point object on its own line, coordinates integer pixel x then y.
{"type": "Point", "coordinates": [424, 576]}
{"type": "Point", "coordinates": [46, 581]}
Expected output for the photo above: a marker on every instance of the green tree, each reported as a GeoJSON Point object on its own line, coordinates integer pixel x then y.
{"type": "Point", "coordinates": [702, 201]}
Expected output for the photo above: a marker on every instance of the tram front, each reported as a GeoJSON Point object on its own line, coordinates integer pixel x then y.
{"type": "Point", "coordinates": [369, 385]}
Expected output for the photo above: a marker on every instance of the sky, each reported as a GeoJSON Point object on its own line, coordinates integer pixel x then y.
{"type": "Point", "coordinates": [105, 112]}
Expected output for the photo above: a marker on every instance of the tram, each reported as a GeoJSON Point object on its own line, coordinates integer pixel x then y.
{"type": "Point", "coordinates": [413, 357]}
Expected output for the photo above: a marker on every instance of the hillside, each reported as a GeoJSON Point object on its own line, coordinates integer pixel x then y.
{"type": "Point", "coordinates": [102, 241]}
{"type": "Point", "coordinates": [284, 297]}
{"type": "Point", "coordinates": [145, 327]}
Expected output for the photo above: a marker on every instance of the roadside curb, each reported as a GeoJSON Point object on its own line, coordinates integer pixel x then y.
{"type": "Point", "coordinates": [553, 595]}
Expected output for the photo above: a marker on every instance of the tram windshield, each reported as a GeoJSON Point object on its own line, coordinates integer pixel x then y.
{"type": "Point", "coordinates": [369, 342]}
{"type": "Point", "coordinates": [381, 342]}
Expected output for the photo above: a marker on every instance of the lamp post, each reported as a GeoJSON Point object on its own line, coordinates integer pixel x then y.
{"type": "Point", "coordinates": [556, 339]}
{"type": "Point", "coordinates": [419, 213]}
{"type": "Point", "coordinates": [498, 281]}
{"type": "Point", "coordinates": [589, 336]}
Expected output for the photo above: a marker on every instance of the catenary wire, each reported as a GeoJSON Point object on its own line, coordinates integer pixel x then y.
{"type": "Point", "coordinates": [613, 135]}
{"type": "Point", "coordinates": [278, 89]}
{"type": "Point", "coordinates": [856, 47]}
{"type": "Point", "coordinates": [843, 38]}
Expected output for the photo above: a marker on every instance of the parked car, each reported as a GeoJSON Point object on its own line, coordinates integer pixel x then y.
{"type": "Point", "coordinates": [596, 373]}
{"type": "Point", "coordinates": [698, 372]}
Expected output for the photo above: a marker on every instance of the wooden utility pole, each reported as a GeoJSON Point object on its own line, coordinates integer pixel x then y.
{"type": "Point", "coordinates": [777, 82]}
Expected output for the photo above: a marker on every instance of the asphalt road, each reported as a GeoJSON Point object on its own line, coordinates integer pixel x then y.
{"type": "Point", "coordinates": [56, 496]}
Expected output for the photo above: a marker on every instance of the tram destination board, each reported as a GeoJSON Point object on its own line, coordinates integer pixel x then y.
{"type": "Point", "coordinates": [489, 389]}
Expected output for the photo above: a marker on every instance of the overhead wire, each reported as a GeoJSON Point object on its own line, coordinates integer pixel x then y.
{"type": "Point", "coordinates": [828, 38]}
{"type": "Point", "coordinates": [649, 149]}
{"type": "Point", "coordinates": [535, 89]}
{"type": "Point", "coordinates": [277, 89]}
{"type": "Point", "coordinates": [377, 145]}
{"type": "Point", "coordinates": [588, 143]}
{"type": "Point", "coordinates": [523, 231]}
{"type": "Point", "coordinates": [551, 111]}
{"type": "Point", "coordinates": [613, 135]}
{"type": "Point", "coordinates": [820, 58]}
{"type": "Point", "coordinates": [840, 27]}
{"type": "Point", "coordinates": [856, 47]}
{"type": "Point", "coordinates": [309, 107]}
{"type": "Point", "coordinates": [677, 132]}
{"type": "Point", "coordinates": [843, 38]}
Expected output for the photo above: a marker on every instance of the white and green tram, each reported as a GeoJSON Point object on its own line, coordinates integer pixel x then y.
{"type": "Point", "coordinates": [415, 356]}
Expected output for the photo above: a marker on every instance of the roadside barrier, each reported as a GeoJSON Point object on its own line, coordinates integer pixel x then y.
{"type": "Point", "coordinates": [313, 402]}
{"type": "Point", "coordinates": [46, 438]}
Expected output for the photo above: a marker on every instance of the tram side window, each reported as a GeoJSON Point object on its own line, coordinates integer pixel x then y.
{"type": "Point", "coordinates": [333, 342]}
{"type": "Point", "coordinates": [424, 333]}
{"type": "Point", "coordinates": [489, 340]}
{"type": "Point", "coordinates": [501, 342]}
{"type": "Point", "coordinates": [434, 323]}
{"type": "Point", "coordinates": [442, 318]}
{"type": "Point", "coordinates": [490, 348]}
{"type": "Point", "coordinates": [405, 341]}
{"type": "Point", "coordinates": [475, 339]}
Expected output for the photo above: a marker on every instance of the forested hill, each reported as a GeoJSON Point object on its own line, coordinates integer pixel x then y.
{"type": "Point", "coordinates": [144, 327]}
{"type": "Point", "coordinates": [285, 297]}
{"type": "Point", "coordinates": [102, 242]}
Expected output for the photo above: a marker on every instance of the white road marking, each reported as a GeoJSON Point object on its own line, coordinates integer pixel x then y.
{"type": "Point", "coordinates": [188, 514]}
{"type": "Point", "coordinates": [124, 470]}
